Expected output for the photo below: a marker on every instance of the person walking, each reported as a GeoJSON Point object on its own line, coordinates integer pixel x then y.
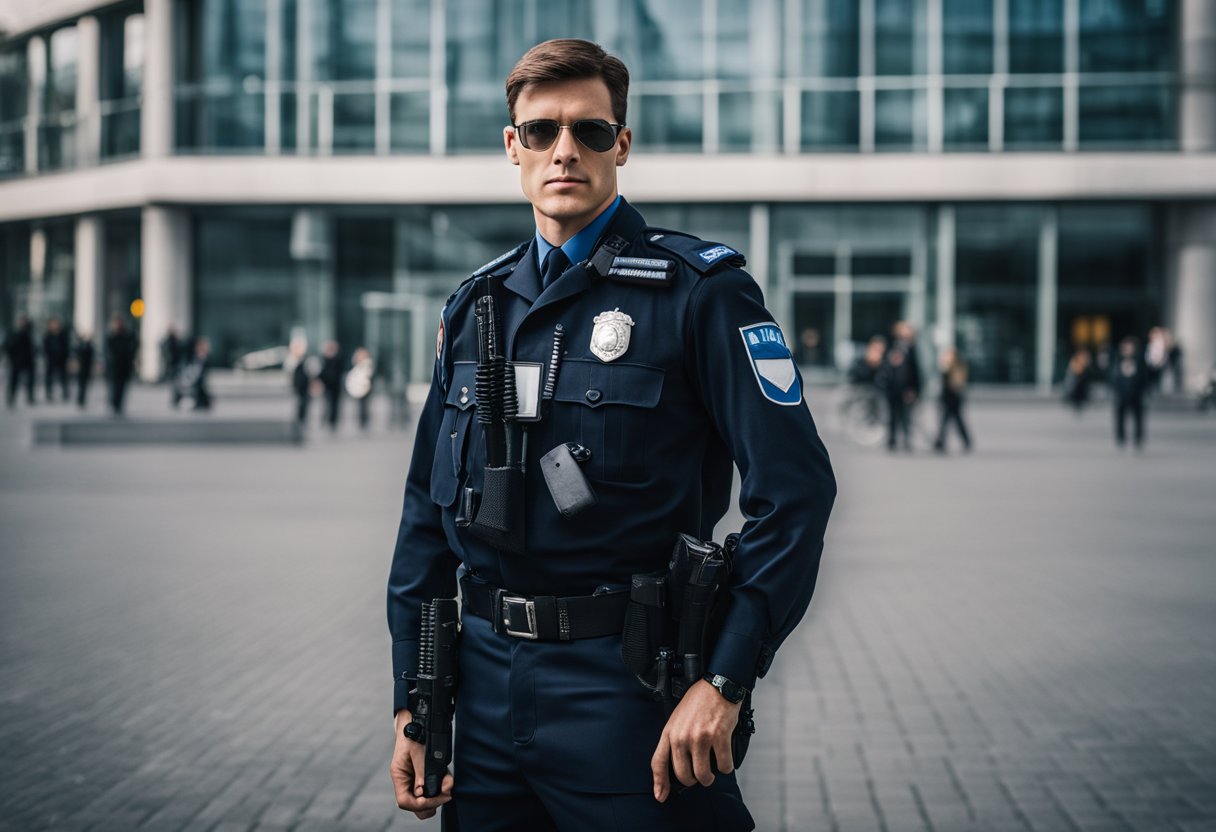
{"type": "Point", "coordinates": [1130, 381]}
{"type": "Point", "coordinates": [331, 382]}
{"type": "Point", "coordinates": [301, 378]}
{"type": "Point", "coordinates": [121, 346]}
{"type": "Point", "coordinates": [190, 380]}
{"type": "Point", "coordinates": [954, 387]}
{"type": "Point", "coordinates": [359, 382]}
{"type": "Point", "coordinates": [642, 364]}
{"type": "Point", "coordinates": [19, 349]}
{"type": "Point", "coordinates": [86, 356]}
{"type": "Point", "coordinates": [896, 381]}
{"type": "Point", "coordinates": [1077, 379]}
{"type": "Point", "coordinates": [56, 348]}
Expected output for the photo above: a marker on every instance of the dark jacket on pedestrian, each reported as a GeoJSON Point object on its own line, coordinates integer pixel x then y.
{"type": "Point", "coordinates": [19, 347]}
{"type": "Point", "coordinates": [1129, 377]}
{"type": "Point", "coordinates": [120, 353]}
{"type": "Point", "coordinates": [56, 347]}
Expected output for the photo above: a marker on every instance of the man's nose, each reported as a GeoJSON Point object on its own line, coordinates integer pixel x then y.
{"type": "Point", "coordinates": [566, 147]}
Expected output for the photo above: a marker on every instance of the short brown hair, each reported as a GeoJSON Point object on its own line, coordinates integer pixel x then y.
{"type": "Point", "coordinates": [568, 59]}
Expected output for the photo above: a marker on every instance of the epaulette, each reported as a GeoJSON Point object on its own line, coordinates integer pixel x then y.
{"type": "Point", "coordinates": [499, 262]}
{"type": "Point", "coordinates": [502, 259]}
{"type": "Point", "coordinates": [702, 255]}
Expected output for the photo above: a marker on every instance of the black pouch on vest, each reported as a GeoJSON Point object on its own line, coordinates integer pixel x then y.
{"type": "Point", "coordinates": [570, 490]}
{"type": "Point", "coordinates": [499, 520]}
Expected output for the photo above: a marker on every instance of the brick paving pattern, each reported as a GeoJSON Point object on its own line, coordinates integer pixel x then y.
{"type": "Point", "coordinates": [1022, 639]}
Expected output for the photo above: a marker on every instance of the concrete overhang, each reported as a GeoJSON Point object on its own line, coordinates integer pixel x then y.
{"type": "Point", "coordinates": [413, 180]}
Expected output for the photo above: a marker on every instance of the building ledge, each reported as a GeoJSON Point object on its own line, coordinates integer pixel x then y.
{"type": "Point", "coordinates": [696, 178]}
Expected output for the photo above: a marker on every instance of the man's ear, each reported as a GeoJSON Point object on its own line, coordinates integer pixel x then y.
{"type": "Point", "coordinates": [623, 142]}
{"type": "Point", "coordinates": [510, 143]}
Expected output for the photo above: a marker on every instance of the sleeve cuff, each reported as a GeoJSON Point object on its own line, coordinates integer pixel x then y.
{"type": "Point", "coordinates": [736, 657]}
{"type": "Point", "coordinates": [405, 671]}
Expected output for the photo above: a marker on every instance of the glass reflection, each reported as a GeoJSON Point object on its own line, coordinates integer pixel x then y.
{"type": "Point", "coordinates": [1127, 35]}
{"type": "Point", "coordinates": [1036, 35]}
{"type": "Point", "coordinates": [1034, 117]}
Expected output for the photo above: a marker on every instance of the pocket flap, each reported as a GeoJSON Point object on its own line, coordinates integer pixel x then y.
{"type": "Point", "coordinates": [593, 383]}
{"type": "Point", "coordinates": [462, 390]}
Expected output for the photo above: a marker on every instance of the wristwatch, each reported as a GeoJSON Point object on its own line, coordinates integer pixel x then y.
{"type": "Point", "coordinates": [733, 692]}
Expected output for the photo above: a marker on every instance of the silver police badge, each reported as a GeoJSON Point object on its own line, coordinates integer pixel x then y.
{"type": "Point", "coordinates": [610, 337]}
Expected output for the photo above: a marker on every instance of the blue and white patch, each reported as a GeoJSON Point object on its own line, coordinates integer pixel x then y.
{"type": "Point", "coordinates": [772, 363]}
{"type": "Point", "coordinates": [713, 255]}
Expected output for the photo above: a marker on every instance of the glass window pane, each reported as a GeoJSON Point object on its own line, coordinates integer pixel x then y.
{"type": "Point", "coordinates": [666, 41]}
{"type": "Point", "coordinates": [830, 38]}
{"type": "Point", "coordinates": [244, 263]}
{"type": "Point", "coordinates": [966, 36]}
{"type": "Point", "coordinates": [1105, 247]}
{"type": "Point", "coordinates": [354, 121]}
{"type": "Point", "coordinates": [886, 264]}
{"type": "Point", "coordinates": [1036, 35]}
{"type": "Point", "coordinates": [411, 24]}
{"type": "Point", "coordinates": [814, 265]}
{"type": "Point", "coordinates": [749, 121]}
{"type": "Point", "coordinates": [14, 83]}
{"type": "Point", "coordinates": [749, 39]}
{"type": "Point", "coordinates": [1126, 115]}
{"type": "Point", "coordinates": [830, 120]}
{"type": "Point", "coordinates": [1034, 117]}
{"type": "Point", "coordinates": [1127, 35]}
{"type": "Point", "coordinates": [411, 122]}
{"type": "Point", "coordinates": [900, 119]}
{"type": "Point", "coordinates": [344, 40]}
{"type": "Point", "coordinates": [900, 40]}
{"type": "Point", "coordinates": [475, 122]}
{"type": "Point", "coordinates": [668, 122]}
{"type": "Point", "coordinates": [363, 262]}
{"type": "Point", "coordinates": [61, 80]}
{"type": "Point", "coordinates": [965, 119]}
{"type": "Point", "coordinates": [997, 245]}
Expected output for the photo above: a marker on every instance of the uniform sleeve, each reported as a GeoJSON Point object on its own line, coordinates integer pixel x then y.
{"type": "Point", "coordinates": [787, 486]}
{"type": "Point", "coordinates": [424, 567]}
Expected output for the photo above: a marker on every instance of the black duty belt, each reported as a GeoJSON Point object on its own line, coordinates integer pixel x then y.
{"type": "Point", "coordinates": [545, 617]}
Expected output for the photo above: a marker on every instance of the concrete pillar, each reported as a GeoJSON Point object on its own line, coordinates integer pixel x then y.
{"type": "Point", "coordinates": [88, 91]}
{"type": "Point", "coordinates": [156, 125]}
{"type": "Point", "coordinates": [1197, 66]}
{"type": "Point", "coordinates": [88, 314]}
{"type": "Point", "coordinates": [36, 63]}
{"type": "Point", "coordinates": [166, 279]}
{"type": "Point", "coordinates": [1191, 288]}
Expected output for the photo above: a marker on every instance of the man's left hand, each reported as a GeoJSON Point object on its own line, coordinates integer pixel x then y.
{"type": "Point", "coordinates": [702, 722]}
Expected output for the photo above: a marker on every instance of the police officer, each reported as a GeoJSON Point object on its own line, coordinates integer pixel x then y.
{"type": "Point", "coordinates": [670, 370]}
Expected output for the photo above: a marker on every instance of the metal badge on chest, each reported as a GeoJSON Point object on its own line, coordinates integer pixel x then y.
{"type": "Point", "coordinates": [610, 337]}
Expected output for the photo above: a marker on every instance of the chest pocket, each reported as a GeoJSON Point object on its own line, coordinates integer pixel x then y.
{"type": "Point", "coordinates": [615, 410]}
{"type": "Point", "coordinates": [452, 443]}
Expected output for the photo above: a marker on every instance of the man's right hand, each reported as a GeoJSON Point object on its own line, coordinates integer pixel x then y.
{"type": "Point", "coordinates": [407, 770]}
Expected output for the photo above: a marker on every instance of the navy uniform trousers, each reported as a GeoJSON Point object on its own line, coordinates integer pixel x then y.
{"type": "Point", "coordinates": [537, 707]}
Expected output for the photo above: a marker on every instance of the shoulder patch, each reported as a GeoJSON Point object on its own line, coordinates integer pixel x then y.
{"type": "Point", "coordinates": [643, 271]}
{"type": "Point", "coordinates": [502, 259]}
{"type": "Point", "coordinates": [772, 363]}
{"type": "Point", "coordinates": [704, 256]}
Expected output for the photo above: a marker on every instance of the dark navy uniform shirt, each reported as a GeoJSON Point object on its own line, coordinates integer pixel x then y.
{"type": "Point", "coordinates": [707, 380]}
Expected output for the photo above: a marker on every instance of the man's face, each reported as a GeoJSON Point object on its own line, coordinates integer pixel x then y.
{"type": "Point", "coordinates": [567, 183]}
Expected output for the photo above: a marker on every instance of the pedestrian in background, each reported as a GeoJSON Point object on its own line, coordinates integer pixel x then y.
{"type": "Point", "coordinates": [904, 338]}
{"type": "Point", "coordinates": [191, 378]}
{"type": "Point", "coordinates": [301, 379]}
{"type": "Point", "coordinates": [954, 387]}
{"type": "Point", "coordinates": [19, 349]}
{"type": "Point", "coordinates": [866, 369]}
{"type": "Point", "coordinates": [1129, 382]}
{"type": "Point", "coordinates": [331, 382]}
{"type": "Point", "coordinates": [897, 385]}
{"type": "Point", "coordinates": [174, 353]}
{"type": "Point", "coordinates": [1077, 379]}
{"type": "Point", "coordinates": [121, 346]}
{"type": "Point", "coordinates": [1156, 357]}
{"type": "Point", "coordinates": [85, 357]}
{"type": "Point", "coordinates": [56, 347]}
{"type": "Point", "coordinates": [359, 383]}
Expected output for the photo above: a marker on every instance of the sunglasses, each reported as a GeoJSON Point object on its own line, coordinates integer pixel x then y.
{"type": "Point", "coordinates": [594, 133]}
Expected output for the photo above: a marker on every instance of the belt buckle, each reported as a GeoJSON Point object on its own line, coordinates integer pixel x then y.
{"type": "Point", "coordinates": [526, 608]}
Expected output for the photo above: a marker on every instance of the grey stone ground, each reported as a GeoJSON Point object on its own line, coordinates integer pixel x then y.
{"type": "Point", "coordinates": [194, 638]}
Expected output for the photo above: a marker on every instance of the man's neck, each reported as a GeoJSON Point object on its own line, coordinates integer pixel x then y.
{"type": "Point", "coordinates": [557, 231]}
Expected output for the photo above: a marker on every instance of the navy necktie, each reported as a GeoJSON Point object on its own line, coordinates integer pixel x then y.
{"type": "Point", "coordinates": [556, 262]}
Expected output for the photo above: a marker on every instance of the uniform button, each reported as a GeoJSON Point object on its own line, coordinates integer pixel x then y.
{"type": "Point", "coordinates": [464, 399]}
{"type": "Point", "coordinates": [593, 395]}
{"type": "Point", "coordinates": [464, 389]}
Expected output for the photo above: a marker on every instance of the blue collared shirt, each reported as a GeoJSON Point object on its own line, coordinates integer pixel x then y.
{"type": "Point", "coordinates": [578, 247]}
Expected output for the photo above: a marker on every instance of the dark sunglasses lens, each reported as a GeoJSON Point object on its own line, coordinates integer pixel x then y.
{"type": "Point", "coordinates": [595, 134]}
{"type": "Point", "coordinates": [539, 134]}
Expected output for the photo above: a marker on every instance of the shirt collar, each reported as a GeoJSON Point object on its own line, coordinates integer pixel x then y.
{"type": "Point", "coordinates": [578, 247]}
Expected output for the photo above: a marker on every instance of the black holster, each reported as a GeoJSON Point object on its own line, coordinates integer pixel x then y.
{"type": "Point", "coordinates": [672, 623]}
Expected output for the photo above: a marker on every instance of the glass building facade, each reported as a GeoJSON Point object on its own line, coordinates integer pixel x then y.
{"type": "Point", "coordinates": [1017, 283]}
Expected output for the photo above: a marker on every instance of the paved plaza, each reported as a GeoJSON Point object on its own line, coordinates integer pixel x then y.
{"type": "Point", "coordinates": [1021, 639]}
